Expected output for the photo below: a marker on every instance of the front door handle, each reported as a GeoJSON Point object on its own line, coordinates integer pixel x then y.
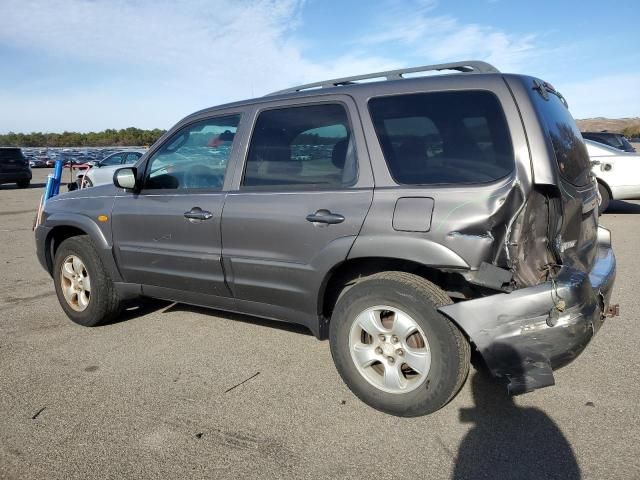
{"type": "Point", "coordinates": [197, 214]}
{"type": "Point", "coordinates": [325, 216]}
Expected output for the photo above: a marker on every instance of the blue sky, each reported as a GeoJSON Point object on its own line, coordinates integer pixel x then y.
{"type": "Point", "coordinates": [90, 65]}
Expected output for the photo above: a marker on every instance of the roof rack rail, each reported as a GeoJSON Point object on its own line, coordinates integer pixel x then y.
{"type": "Point", "coordinates": [469, 66]}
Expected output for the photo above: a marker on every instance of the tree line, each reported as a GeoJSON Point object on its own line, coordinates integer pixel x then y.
{"type": "Point", "coordinates": [124, 137]}
{"type": "Point", "coordinates": [631, 132]}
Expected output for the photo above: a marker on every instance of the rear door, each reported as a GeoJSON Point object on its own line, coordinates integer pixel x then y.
{"type": "Point", "coordinates": [300, 200]}
{"type": "Point", "coordinates": [167, 236]}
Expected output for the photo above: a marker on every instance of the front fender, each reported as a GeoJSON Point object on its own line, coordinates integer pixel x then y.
{"type": "Point", "coordinates": [100, 235]}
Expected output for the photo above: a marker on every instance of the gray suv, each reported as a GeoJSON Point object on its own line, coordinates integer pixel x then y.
{"type": "Point", "coordinates": [411, 221]}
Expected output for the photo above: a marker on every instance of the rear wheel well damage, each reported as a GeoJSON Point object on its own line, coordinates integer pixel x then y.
{"type": "Point", "coordinates": [350, 272]}
{"type": "Point", "coordinates": [56, 237]}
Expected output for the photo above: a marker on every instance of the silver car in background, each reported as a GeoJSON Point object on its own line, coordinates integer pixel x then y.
{"type": "Point", "coordinates": [101, 173]}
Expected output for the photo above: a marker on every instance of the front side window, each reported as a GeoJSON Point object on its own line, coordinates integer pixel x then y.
{"type": "Point", "coordinates": [307, 146]}
{"type": "Point", "coordinates": [443, 137]}
{"type": "Point", "coordinates": [195, 157]}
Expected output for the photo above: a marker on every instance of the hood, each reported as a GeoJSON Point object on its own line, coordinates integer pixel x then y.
{"type": "Point", "coordinates": [100, 191]}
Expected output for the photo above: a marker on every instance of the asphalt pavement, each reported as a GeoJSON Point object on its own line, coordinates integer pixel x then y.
{"type": "Point", "coordinates": [174, 391]}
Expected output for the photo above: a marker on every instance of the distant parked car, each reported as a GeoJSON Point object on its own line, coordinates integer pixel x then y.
{"type": "Point", "coordinates": [101, 172]}
{"type": "Point", "coordinates": [37, 163]}
{"type": "Point", "coordinates": [77, 163]}
{"type": "Point", "coordinates": [618, 173]}
{"type": "Point", "coordinates": [14, 167]}
{"type": "Point", "coordinates": [615, 140]}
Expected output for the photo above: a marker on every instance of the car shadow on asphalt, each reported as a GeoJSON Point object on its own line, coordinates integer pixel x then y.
{"type": "Point", "coordinates": [13, 186]}
{"type": "Point", "coordinates": [508, 441]}
{"type": "Point", "coordinates": [138, 308]}
{"type": "Point", "coordinates": [237, 317]}
{"type": "Point", "coordinates": [619, 206]}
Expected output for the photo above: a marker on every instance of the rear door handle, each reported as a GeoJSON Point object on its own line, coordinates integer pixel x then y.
{"type": "Point", "coordinates": [197, 214]}
{"type": "Point", "coordinates": [325, 216]}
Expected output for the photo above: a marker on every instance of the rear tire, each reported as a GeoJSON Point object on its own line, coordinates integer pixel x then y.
{"type": "Point", "coordinates": [84, 289]}
{"type": "Point", "coordinates": [398, 301]}
{"type": "Point", "coordinates": [23, 183]}
{"type": "Point", "coordinates": [606, 198]}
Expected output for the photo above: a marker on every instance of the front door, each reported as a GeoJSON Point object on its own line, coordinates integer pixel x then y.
{"type": "Point", "coordinates": [300, 203]}
{"type": "Point", "coordinates": [167, 236]}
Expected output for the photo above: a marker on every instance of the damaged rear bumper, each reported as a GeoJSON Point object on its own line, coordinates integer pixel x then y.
{"type": "Point", "coordinates": [526, 334]}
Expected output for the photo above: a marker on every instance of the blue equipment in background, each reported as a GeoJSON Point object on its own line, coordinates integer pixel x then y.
{"type": "Point", "coordinates": [53, 182]}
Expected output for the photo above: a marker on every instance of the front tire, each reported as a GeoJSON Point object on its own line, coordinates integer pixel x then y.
{"type": "Point", "coordinates": [392, 347]}
{"type": "Point", "coordinates": [84, 289]}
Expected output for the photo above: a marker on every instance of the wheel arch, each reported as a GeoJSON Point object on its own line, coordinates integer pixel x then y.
{"type": "Point", "coordinates": [64, 226]}
{"type": "Point", "coordinates": [349, 272]}
{"type": "Point", "coordinates": [605, 185]}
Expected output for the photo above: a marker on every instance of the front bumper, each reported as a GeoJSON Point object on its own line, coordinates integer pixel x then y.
{"type": "Point", "coordinates": [526, 334]}
{"type": "Point", "coordinates": [41, 234]}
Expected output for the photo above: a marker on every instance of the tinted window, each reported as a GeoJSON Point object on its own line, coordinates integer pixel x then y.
{"type": "Point", "coordinates": [566, 140]}
{"type": "Point", "coordinates": [305, 146]}
{"type": "Point", "coordinates": [443, 137]}
{"type": "Point", "coordinates": [132, 157]}
{"type": "Point", "coordinates": [10, 154]}
{"type": "Point", "coordinates": [195, 157]}
{"type": "Point", "coordinates": [614, 140]}
{"type": "Point", "coordinates": [112, 160]}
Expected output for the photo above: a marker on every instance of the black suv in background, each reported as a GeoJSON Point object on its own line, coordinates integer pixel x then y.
{"type": "Point", "coordinates": [615, 140]}
{"type": "Point", "coordinates": [410, 221]}
{"type": "Point", "coordinates": [14, 167]}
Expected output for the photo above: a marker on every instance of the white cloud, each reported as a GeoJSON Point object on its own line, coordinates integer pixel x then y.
{"type": "Point", "coordinates": [193, 54]}
{"type": "Point", "coordinates": [164, 59]}
{"type": "Point", "coordinates": [441, 38]}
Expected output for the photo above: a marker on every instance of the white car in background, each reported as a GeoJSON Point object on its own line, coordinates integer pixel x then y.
{"type": "Point", "coordinates": [617, 172]}
{"type": "Point", "coordinates": [101, 173]}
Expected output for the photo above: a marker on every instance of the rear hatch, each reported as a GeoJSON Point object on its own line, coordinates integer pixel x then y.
{"type": "Point", "coordinates": [574, 213]}
{"type": "Point", "coordinates": [12, 160]}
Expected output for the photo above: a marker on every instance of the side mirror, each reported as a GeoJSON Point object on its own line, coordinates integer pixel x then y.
{"type": "Point", "coordinates": [125, 178]}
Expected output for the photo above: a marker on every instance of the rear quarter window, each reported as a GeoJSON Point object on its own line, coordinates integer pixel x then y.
{"type": "Point", "coordinates": [568, 147]}
{"type": "Point", "coordinates": [434, 138]}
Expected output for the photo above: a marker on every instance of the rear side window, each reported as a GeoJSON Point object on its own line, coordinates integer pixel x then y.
{"type": "Point", "coordinates": [306, 147]}
{"type": "Point", "coordinates": [132, 157]}
{"type": "Point", "coordinates": [443, 137]}
{"type": "Point", "coordinates": [569, 149]}
{"type": "Point", "coordinates": [112, 160]}
{"type": "Point", "coordinates": [9, 155]}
